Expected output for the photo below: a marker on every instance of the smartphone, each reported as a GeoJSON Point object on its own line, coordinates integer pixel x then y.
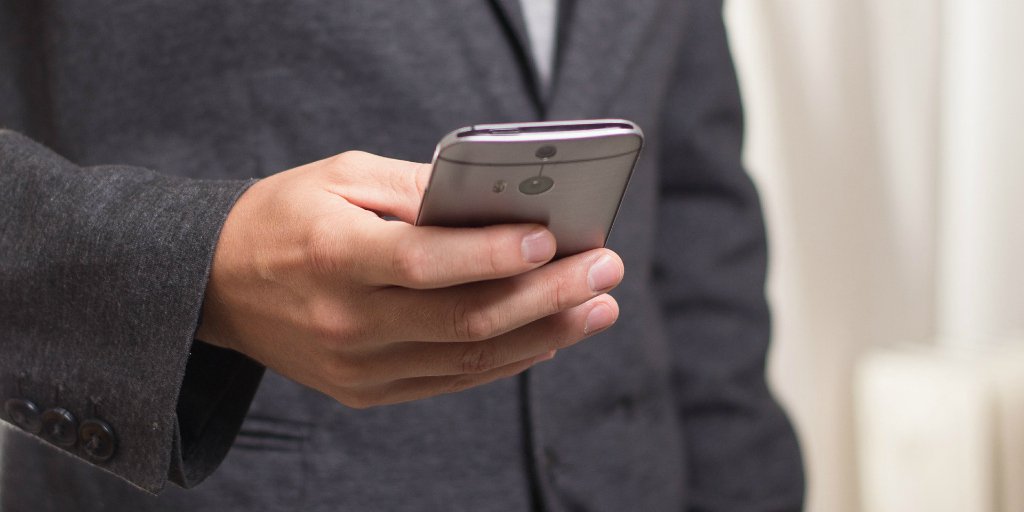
{"type": "Point", "coordinates": [567, 175]}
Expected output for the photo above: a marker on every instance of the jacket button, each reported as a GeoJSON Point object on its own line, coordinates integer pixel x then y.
{"type": "Point", "coordinates": [60, 427]}
{"type": "Point", "coordinates": [24, 414]}
{"type": "Point", "coordinates": [98, 440]}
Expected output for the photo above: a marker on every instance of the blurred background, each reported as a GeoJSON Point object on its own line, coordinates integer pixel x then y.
{"type": "Point", "coordinates": [886, 139]}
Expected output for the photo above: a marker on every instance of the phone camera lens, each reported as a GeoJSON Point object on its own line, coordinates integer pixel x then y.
{"type": "Point", "coordinates": [536, 185]}
{"type": "Point", "coordinates": [546, 152]}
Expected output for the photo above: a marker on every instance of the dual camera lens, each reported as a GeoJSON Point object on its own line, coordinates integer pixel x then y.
{"type": "Point", "coordinates": [539, 184]}
{"type": "Point", "coordinates": [534, 184]}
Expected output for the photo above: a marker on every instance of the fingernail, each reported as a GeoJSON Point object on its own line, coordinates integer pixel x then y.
{"type": "Point", "coordinates": [599, 318]}
{"type": "Point", "coordinates": [538, 246]}
{"type": "Point", "coordinates": [603, 274]}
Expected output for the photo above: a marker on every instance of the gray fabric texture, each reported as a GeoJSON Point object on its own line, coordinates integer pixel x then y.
{"type": "Point", "coordinates": [103, 272]}
{"type": "Point", "coordinates": [102, 267]}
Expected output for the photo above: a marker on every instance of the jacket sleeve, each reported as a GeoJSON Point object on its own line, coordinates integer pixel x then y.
{"type": "Point", "coordinates": [102, 276]}
{"type": "Point", "coordinates": [741, 449]}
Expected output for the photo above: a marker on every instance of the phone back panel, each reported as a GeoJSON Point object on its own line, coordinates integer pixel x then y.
{"type": "Point", "coordinates": [483, 181]}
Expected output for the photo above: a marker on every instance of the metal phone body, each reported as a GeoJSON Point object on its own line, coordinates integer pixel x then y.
{"type": "Point", "coordinates": [567, 175]}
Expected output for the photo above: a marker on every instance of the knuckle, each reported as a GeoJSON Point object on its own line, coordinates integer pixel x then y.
{"type": "Point", "coordinates": [332, 328]}
{"type": "Point", "coordinates": [348, 159]}
{"type": "Point", "coordinates": [493, 260]}
{"type": "Point", "coordinates": [459, 383]}
{"type": "Point", "coordinates": [324, 327]}
{"type": "Point", "coordinates": [477, 358]}
{"type": "Point", "coordinates": [361, 398]}
{"type": "Point", "coordinates": [324, 331]}
{"type": "Point", "coordinates": [472, 324]}
{"type": "Point", "coordinates": [479, 325]}
{"type": "Point", "coordinates": [402, 184]}
{"type": "Point", "coordinates": [421, 177]}
{"type": "Point", "coordinates": [557, 296]}
{"type": "Point", "coordinates": [410, 261]}
{"type": "Point", "coordinates": [357, 401]}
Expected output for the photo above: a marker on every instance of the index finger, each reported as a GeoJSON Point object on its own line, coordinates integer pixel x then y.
{"type": "Point", "coordinates": [383, 185]}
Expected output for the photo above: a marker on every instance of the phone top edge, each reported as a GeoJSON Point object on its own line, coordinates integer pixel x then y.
{"type": "Point", "coordinates": [545, 137]}
{"type": "Point", "coordinates": [545, 126]}
{"type": "Point", "coordinates": [534, 163]}
{"type": "Point", "coordinates": [549, 130]}
{"type": "Point", "coordinates": [568, 123]}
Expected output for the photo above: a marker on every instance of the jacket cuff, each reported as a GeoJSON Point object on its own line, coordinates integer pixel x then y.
{"type": "Point", "coordinates": [218, 388]}
{"type": "Point", "coordinates": [102, 276]}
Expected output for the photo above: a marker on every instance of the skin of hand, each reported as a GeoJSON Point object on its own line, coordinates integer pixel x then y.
{"type": "Point", "coordinates": [310, 281]}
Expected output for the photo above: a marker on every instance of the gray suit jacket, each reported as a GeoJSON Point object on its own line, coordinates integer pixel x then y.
{"type": "Point", "coordinates": [161, 113]}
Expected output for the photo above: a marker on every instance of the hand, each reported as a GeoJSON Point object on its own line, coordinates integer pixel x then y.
{"type": "Point", "coordinates": [310, 281]}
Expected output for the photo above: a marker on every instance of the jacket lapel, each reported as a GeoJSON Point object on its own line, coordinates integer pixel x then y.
{"type": "Point", "coordinates": [494, 43]}
{"type": "Point", "coordinates": [512, 13]}
{"type": "Point", "coordinates": [598, 43]}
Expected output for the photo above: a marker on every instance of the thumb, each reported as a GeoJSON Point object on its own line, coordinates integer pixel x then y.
{"type": "Point", "coordinates": [384, 185]}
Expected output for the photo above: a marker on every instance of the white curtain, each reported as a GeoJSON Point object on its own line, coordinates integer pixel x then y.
{"type": "Point", "coordinates": [887, 138]}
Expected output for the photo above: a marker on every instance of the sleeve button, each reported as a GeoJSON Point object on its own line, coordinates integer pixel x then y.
{"type": "Point", "coordinates": [60, 427]}
{"type": "Point", "coordinates": [98, 440]}
{"type": "Point", "coordinates": [24, 414]}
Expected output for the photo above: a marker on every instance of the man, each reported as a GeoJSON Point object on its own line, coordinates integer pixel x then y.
{"type": "Point", "coordinates": [389, 349]}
